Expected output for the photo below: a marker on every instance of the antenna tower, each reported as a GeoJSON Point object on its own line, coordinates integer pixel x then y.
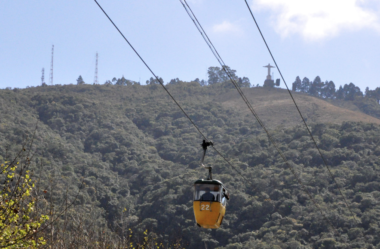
{"type": "Point", "coordinates": [51, 65]}
{"type": "Point", "coordinates": [43, 76]}
{"type": "Point", "coordinates": [96, 70]}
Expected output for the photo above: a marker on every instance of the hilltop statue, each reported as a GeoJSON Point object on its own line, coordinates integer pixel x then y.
{"type": "Point", "coordinates": [269, 82]}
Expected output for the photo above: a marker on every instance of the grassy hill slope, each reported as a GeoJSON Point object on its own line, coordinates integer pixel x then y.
{"type": "Point", "coordinates": [275, 108]}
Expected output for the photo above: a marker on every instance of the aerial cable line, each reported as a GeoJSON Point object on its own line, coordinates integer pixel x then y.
{"type": "Point", "coordinates": [218, 57]}
{"type": "Point", "coordinates": [162, 84]}
{"type": "Point", "coordinates": [225, 68]}
{"type": "Point", "coordinates": [299, 112]}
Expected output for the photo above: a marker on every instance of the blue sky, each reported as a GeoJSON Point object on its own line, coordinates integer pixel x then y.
{"type": "Point", "coordinates": [335, 39]}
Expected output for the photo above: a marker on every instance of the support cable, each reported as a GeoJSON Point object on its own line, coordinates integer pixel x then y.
{"type": "Point", "coordinates": [225, 68]}
{"type": "Point", "coordinates": [175, 101]}
{"type": "Point", "coordinates": [299, 112]}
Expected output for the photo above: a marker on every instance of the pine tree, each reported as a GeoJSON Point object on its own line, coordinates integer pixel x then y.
{"type": "Point", "coordinates": [80, 80]}
{"type": "Point", "coordinates": [296, 87]}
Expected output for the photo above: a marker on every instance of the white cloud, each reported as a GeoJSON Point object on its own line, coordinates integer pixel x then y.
{"type": "Point", "coordinates": [320, 19]}
{"type": "Point", "coordinates": [227, 27]}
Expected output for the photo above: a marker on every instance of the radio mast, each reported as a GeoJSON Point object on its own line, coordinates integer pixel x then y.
{"type": "Point", "coordinates": [96, 70]}
{"type": "Point", "coordinates": [51, 65]}
{"type": "Point", "coordinates": [43, 76]}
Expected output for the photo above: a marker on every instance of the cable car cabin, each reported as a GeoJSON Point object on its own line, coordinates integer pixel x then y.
{"type": "Point", "coordinates": [210, 199]}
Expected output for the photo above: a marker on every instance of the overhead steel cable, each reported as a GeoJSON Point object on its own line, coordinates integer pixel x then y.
{"type": "Point", "coordinates": [299, 112]}
{"type": "Point", "coordinates": [225, 68]}
{"type": "Point", "coordinates": [218, 57]}
{"type": "Point", "coordinates": [171, 96]}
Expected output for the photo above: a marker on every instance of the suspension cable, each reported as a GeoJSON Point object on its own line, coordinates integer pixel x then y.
{"type": "Point", "coordinates": [171, 96]}
{"type": "Point", "coordinates": [226, 69]}
{"type": "Point", "coordinates": [299, 112]}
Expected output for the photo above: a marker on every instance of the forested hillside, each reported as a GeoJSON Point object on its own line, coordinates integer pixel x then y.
{"type": "Point", "coordinates": [132, 156]}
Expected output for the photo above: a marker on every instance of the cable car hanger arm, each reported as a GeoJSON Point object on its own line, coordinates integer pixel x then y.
{"type": "Point", "coordinates": [204, 146]}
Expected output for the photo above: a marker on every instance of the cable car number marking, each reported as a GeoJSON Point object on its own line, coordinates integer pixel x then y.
{"type": "Point", "coordinates": [205, 207]}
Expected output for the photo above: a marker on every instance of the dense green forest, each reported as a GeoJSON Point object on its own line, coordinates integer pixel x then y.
{"type": "Point", "coordinates": [126, 158]}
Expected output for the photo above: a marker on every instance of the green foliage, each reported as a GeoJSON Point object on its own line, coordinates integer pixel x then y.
{"type": "Point", "coordinates": [219, 75]}
{"type": "Point", "coordinates": [80, 80]}
{"type": "Point", "coordinates": [326, 90]}
{"type": "Point", "coordinates": [19, 222]}
{"type": "Point", "coordinates": [135, 150]}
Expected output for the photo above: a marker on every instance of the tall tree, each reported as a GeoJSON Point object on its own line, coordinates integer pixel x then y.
{"type": "Point", "coordinates": [328, 90]}
{"type": "Point", "coordinates": [366, 91]}
{"type": "Point", "coordinates": [223, 76]}
{"type": "Point", "coordinates": [376, 94]}
{"type": "Point", "coordinates": [80, 80]}
{"type": "Point", "coordinates": [213, 75]}
{"type": "Point", "coordinates": [244, 82]}
{"type": "Point", "coordinates": [123, 82]}
{"type": "Point", "coordinates": [108, 82]}
{"type": "Point", "coordinates": [297, 85]}
{"type": "Point", "coordinates": [316, 87]}
{"type": "Point", "coordinates": [349, 92]}
{"type": "Point", "coordinates": [305, 85]}
{"type": "Point", "coordinates": [352, 91]}
{"type": "Point", "coordinates": [153, 81]}
{"type": "Point", "coordinates": [174, 81]}
{"type": "Point", "coordinates": [219, 75]}
{"type": "Point", "coordinates": [340, 93]}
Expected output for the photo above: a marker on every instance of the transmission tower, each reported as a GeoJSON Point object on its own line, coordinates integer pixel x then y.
{"type": "Point", "coordinates": [51, 65]}
{"type": "Point", "coordinates": [96, 70]}
{"type": "Point", "coordinates": [43, 76]}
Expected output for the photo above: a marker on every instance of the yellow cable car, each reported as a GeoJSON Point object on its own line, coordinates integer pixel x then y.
{"type": "Point", "coordinates": [210, 198]}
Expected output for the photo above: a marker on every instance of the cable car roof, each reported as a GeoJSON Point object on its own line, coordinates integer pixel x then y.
{"type": "Point", "coordinates": [202, 181]}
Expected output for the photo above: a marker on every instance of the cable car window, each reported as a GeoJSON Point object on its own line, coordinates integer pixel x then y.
{"type": "Point", "coordinates": [207, 192]}
{"type": "Point", "coordinates": [224, 201]}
